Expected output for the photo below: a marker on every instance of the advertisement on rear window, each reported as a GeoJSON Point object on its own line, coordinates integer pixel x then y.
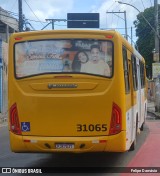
{"type": "Point", "coordinates": [67, 56]}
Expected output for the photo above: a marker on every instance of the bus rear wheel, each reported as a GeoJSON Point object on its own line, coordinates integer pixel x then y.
{"type": "Point", "coordinates": [133, 146]}
{"type": "Point", "coordinates": [142, 127]}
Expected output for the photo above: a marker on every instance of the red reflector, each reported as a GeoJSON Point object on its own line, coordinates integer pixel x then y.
{"type": "Point", "coordinates": [26, 140]}
{"type": "Point", "coordinates": [116, 124]}
{"type": "Point", "coordinates": [14, 120]}
{"type": "Point", "coordinates": [102, 141]}
{"type": "Point", "coordinates": [63, 77]}
{"type": "Point", "coordinates": [117, 116]}
{"type": "Point", "coordinates": [109, 36]}
{"type": "Point", "coordinates": [18, 38]}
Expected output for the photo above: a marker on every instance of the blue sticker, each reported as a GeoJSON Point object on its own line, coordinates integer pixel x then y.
{"type": "Point", "coordinates": [25, 126]}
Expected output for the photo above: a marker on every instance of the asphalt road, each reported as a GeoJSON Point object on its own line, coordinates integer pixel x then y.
{"type": "Point", "coordinates": [94, 160]}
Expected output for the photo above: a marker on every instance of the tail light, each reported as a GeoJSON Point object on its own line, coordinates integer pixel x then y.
{"type": "Point", "coordinates": [116, 120]}
{"type": "Point", "coordinates": [14, 120]}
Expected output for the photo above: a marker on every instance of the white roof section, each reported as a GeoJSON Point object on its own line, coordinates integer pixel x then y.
{"type": "Point", "coordinates": [137, 54]}
{"type": "Point", "coordinates": [7, 19]}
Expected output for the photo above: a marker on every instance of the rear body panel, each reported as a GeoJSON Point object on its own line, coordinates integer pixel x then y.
{"type": "Point", "coordinates": [58, 112]}
{"type": "Point", "coordinates": [68, 108]}
{"type": "Point", "coordinates": [81, 144]}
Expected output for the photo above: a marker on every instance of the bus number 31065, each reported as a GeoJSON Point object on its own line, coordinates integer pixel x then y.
{"type": "Point", "coordinates": [91, 127]}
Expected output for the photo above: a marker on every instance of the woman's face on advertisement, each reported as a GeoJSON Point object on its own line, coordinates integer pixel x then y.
{"type": "Point", "coordinates": [82, 57]}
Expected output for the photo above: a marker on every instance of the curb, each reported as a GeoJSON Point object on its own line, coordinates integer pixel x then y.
{"type": "Point", "coordinates": [3, 118]}
{"type": "Point", "coordinates": [3, 124]}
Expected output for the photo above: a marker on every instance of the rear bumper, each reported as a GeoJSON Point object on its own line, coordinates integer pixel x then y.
{"type": "Point", "coordinates": [114, 143]}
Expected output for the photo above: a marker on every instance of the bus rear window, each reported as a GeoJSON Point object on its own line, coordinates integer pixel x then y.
{"type": "Point", "coordinates": [64, 56]}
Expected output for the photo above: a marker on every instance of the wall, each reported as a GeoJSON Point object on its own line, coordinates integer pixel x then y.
{"type": "Point", "coordinates": [3, 76]}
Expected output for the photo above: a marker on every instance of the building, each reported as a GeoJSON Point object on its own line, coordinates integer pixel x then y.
{"type": "Point", "coordinates": [8, 25]}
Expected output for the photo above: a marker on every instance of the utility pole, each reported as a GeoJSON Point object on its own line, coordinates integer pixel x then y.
{"type": "Point", "coordinates": [20, 16]}
{"type": "Point", "coordinates": [131, 36]}
{"type": "Point", "coordinates": [142, 16]}
{"type": "Point", "coordinates": [156, 29]}
{"type": "Point", "coordinates": [52, 21]}
{"type": "Point", "coordinates": [125, 20]}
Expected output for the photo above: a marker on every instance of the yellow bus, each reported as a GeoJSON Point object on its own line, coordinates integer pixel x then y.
{"type": "Point", "coordinates": [75, 91]}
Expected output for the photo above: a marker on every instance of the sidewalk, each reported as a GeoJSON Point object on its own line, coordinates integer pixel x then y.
{"type": "Point", "coordinates": [3, 119]}
{"type": "Point", "coordinates": [151, 109]}
{"type": "Point", "coordinates": [147, 156]}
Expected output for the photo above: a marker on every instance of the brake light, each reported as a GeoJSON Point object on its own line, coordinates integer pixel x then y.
{"type": "Point", "coordinates": [18, 38]}
{"type": "Point", "coordinates": [14, 120]}
{"type": "Point", "coordinates": [116, 120]}
{"type": "Point", "coordinates": [109, 36]}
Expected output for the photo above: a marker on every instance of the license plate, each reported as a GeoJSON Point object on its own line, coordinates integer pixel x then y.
{"type": "Point", "coordinates": [64, 146]}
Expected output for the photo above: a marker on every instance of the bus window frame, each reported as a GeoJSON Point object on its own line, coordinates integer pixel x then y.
{"type": "Point", "coordinates": [69, 73]}
{"type": "Point", "coordinates": [125, 60]}
{"type": "Point", "coordinates": [142, 74]}
{"type": "Point", "coordinates": [134, 72]}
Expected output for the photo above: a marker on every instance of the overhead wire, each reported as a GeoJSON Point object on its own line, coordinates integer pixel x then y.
{"type": "Point", "coordinates": [8, 11]}
{"type": "Point", "coordinates": [112, 10]}
{"type": "Point", "coordinates": [117, 21]}
{"type": "Point", "coordinates": [33, 12]}
{"type": "Point", "coordinates": [144, 28]}
{"type": "Point", "coordinates": [10, 16]}
{"type": "Point", "coordinates": [59, 24]}
{"type": "Point", "coordinates": [64, 25]}
{"type": "Point", "coordinates": [12, 6]}
{"type": "Point", "coordinates": [112, 18]}
{"type": "Point", "coordinates": [37, 21]}
{"type": "Point", "coordinates": [135, 1]}
{"type": "Point", "coordinates": [111, 5]}
{"type": "Point", "coordinates": [6, 2]}
{"type": "Point", "coordinates": [8, 22]}
{"type": "Point", "coordinates": [108, 9]}
{"type": "Point", "coordinates": [146, 35]}
{"type": "Point", "coordinates": [118, 15]}
{"type": "Point", "coordinates": [117, 28]}
{"type": "Point", "coordinates": [7, 16]}
{"type": "Point", "coordinates": [144, 8]}
{"type": "Point", "coordinates": [116, 5]}
{"type": "Point", "coordinates": [130, 1]}
{"type": "Point", "coordinates": [143, 4]}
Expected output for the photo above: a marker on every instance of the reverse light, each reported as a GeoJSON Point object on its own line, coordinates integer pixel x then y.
{"type": "Point", "coordinates": [116, 120]}
{"type": "Point", "coordinates": [14, 120]}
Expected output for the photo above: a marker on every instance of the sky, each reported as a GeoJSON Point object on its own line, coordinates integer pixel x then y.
{"type": "Point", "coordinates": [36, 11]}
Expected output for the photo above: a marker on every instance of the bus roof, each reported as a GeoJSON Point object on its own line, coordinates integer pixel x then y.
{"type": "Point", "coordinates": [71, 31]}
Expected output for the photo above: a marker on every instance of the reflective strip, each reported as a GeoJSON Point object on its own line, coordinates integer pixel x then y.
{"type": "Point", "coordinates": [95, 142]}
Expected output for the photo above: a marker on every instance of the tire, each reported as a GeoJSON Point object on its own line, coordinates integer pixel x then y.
{"type": "Point", "coordinates": [133, 146]}
{"type": "Point", "coordinates": [142, 127]}
{"type": "Point", "coordinates": [156, 109]}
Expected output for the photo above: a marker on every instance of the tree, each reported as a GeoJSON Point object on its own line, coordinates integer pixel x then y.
{"type": "Point", "coordinates": [146, 36]}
